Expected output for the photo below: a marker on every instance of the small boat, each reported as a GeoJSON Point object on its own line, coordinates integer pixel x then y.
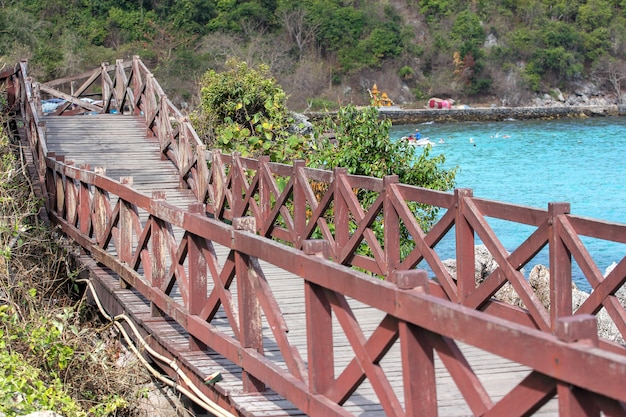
{"type": "Point", "coordinates": [422, 142]}
{"type": "Point", "coordinates": [418, 142]}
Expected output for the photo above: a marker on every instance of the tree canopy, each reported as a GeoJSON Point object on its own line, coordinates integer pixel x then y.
{"type": "Point", "coordinates": [451, 47]}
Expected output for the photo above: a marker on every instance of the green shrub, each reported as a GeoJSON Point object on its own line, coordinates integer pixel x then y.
{"type": "Point", "coordinates": [406, 72]}
{"type": "Point", "coordinates": [244, 110]}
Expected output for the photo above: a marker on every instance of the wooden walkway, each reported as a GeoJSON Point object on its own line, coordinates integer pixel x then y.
{"type": "Point", "coordinates": [118, 144]}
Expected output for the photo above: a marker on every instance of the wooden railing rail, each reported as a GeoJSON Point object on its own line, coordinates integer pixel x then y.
{"type": "Point", "coordinates": [294, 203]}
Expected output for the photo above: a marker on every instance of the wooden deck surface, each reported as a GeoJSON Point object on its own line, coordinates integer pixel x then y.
{"type": "Point", "coordinates": [118, 143]}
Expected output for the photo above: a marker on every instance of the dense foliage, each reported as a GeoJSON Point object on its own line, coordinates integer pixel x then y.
{"type": "Point", "coordinates": [244, 110]}
{"type": "Point", "coordinates": [317, 48]}
{"type": "Point", "coordinates": [362, 145]}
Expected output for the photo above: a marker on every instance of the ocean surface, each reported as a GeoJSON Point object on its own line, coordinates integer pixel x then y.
{"type": "Point", "coordinates": [532, 163]}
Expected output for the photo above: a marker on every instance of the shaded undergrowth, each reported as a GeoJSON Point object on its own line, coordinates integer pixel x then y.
{"type": "Point", "coordinates": [55, 353]}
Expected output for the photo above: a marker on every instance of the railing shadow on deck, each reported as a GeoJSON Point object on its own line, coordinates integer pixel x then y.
{"type": "Point", "coordinates": [311, 223]}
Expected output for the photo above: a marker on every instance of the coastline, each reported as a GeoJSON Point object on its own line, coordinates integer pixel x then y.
{"type": "Point", "coordinates": [399, 116]}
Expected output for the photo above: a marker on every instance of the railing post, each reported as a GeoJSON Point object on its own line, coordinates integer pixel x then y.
{"type": "Point", "coordinates": [319, 326]}
{"type": "Point", "coordinates": [202, 173]}
{"type": "Point", "coordinates": [582, 329]}
{"type": "Point", "coordinates": [138, 102]}
{"type": "Point", "coordinates": [251, 324]}
{"type": "Point", "coordinates": [392, 226]}
{"type": "Point", "coordinates": [198, 273]}
{"type": "Point", "coordinates": [418, 361]}
{"type": "Point", "coordinates": [465, 256]}
{"type": "Point", "coordinates": [99, 220]}
{"type": "Point", "coordinates": [70, 198]}
{"type": "Point", "coordinates": [150, 105]}
{"type": "Point", "coordinates": [119, 84]}
{"type": "Point", "coordinates": [265, 191]}
{"type": "Point", "coordinates": [84, 207]}
{"type": "Point", "coordinates": [560, 266]}
{"type": "Point", "coordinates": [238, 187]}
{"type": "Point", "coordinates": [299, 201]}
{"type": "Point", "coordinates": [49, 183]}
{"type": "Point", "coordinates": [159, 252]}
{"type": "Point", "coordinates": [37, 97]}
{"type": "Point", "coordinates": [342, 220]}
{"type": "Point", "coordinates": [59, 190]}
{"type": "Point", "coordinates": [106, 89]}
{"type": "Point", "coordinates": [125, 236]}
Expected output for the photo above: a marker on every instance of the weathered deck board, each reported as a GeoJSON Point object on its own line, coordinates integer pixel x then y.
{"type": "Point", "coordinates": [118, 143]}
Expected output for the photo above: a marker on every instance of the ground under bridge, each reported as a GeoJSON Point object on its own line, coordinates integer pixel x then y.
{"type": "Point", "coordinates": [254, 270]}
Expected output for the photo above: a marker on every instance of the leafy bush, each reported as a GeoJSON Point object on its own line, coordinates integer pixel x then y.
{"type": "Point", "coordinates": [363, 146]}
{"type": "Point", "coordinates": [244, 110]}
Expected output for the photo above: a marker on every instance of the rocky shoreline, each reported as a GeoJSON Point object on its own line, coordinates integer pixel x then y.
{"type": "Point", "coordinates": [413, 116]}
{"type": "Point", "coordinates": [539, 280]}
{"type": "Point", "coordinates": [399, 116]}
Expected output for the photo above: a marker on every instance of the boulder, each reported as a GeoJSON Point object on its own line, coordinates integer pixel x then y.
{"type": "Point", "coordinates": [539, 280]}
{"type": "Point", "coordinates": [301, 125]}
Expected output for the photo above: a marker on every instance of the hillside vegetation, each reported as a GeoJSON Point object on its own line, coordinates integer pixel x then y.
{"type": "Point", "coordinates": [329, 52]}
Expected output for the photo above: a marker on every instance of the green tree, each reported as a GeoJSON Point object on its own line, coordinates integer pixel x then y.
{"type": "Point", "coordinates": [469, 33]}
{"type": "Point", "coordinates": [594, 14]}
{"type": "Point", "coordinates": [363, 146]}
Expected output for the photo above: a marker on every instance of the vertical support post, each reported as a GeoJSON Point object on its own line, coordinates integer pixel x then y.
{"type": "Point", "coordinates": [219, 183]}
{"type": "Point", "coordinates": [465, 256]}
{"type": "Point", "coordinates": [392, 226]}
{"type": "Point", "coordinates": [342, 231]}
{"type": "Point", "coordinates": [125, 246]}
{"type": "Point", "coordinates": [149, 105]}
{"type": "Point", "coordinates": [137, 82]}
{"type": "Point", "coordinates": [319, 326]}
{"type": "Point", "coordinates": [49, 184]}
{"type": "Point", "coordinates": [581, 329]}
{"type": "Point", "coordinates": [250, 321]}
{"type": "Point", "coordinates": [59, 190]}
{"type": "Point", "coordinates": [198, 273]}
{"type": "Point", "coordinates": [159, 253]}
{"type": "Point", "coordinates": [238, 186]}
{"type": "Point", "coordinates": [37, 96]}
{"type": "Point", "coordinates": [35, 141]}
{"type": "Point", "coordinates": [264, 189]}
{"type": "Point", "coordinates": [299, 202]}
{"type": "Point", "coordinates": [99, 220]}
{"type": "Point", "coordinates": [560, 266]}
{"type": "Point", "coordinates": [119, 84]}
{"type": "Point", "coordinates": [106, 89]}
{"type": "Point", "coordinates": [84, 208]}
{"type": "Point", "coordinates": [202, 173]}
{"type": "Point", "coordinates": [418, 362]}
{"type": "Point", "coordinates": [70, 198]}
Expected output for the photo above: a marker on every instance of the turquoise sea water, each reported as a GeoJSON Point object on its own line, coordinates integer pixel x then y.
{"type": "Point", "coordinates": [532, 163]}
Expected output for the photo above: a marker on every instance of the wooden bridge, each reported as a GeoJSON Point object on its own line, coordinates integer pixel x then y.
{"type": "Point", "coordinates": [275, 278]}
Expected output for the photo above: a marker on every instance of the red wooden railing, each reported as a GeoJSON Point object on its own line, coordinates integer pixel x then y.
{"type": "Point", "coordinates": [285, 214]}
